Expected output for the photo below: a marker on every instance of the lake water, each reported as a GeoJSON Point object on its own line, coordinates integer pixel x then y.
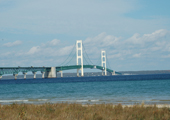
{"type": "Point", "coordinates": [124, 89]}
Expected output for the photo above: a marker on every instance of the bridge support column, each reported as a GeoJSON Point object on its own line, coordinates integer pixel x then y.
{"type": "Point", "coordinates": [113, 73]}
{"type": "Point", "coordinates": [43, 73]}
{"type": "Point", "coordinates": [15, 75]}
{"type": "Point", "coordinates": [79, 52]}
{"type": "Point", "coordinates": [51, 73]}
{"type": "Point", "coordinates": [102, 73]}
{"type": "Point", "coordinates": [61, 73]}
{"type": "Point", "coordinates": [103, 61]}
{"type": "Point", "coordinates": [0, 77]}
{"type": "Point", "coordinates": [78, 73]}
{"type": "Point", "coordinates": [24, 75]}
{"type": "Point", "coordinates": [34, 74]}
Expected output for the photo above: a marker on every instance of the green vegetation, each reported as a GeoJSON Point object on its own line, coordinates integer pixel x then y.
{"type": "Point", "coordinates": [65, 111]}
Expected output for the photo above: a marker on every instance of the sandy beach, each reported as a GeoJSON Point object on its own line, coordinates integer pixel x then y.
{"type": "Point", "coordinates": [144, 105]}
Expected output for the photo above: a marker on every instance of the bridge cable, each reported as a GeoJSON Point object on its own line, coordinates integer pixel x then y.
{"type": "Point", "coordinates": [87, 54]}
{"type": "Point", "coordinates": [99, 61]}
{"type": "Point", "coordinates": [84, 51]}
{"type": "Point", "coordinates": [71, 58]}
{"type": "Point", "coordinates": [69, 55]}
{"type": "Point", "coordinates": [108, 62]}
{"type": "Point", "coordinates": [85, 60]}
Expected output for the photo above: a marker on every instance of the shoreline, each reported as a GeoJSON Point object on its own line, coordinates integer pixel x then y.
{"type": "Point", "coordinates": [159, 103]}
{"type": "Point", "coordinates": [88, 105]}
{"type": "Point", "coordinates": [151, 105]}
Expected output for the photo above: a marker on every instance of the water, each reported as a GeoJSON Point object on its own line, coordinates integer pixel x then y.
{"type": "Point", "coordinates": [128, 89]}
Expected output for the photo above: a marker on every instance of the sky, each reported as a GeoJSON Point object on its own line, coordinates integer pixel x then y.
{"type": "Point", "coordinates": [135, 34]}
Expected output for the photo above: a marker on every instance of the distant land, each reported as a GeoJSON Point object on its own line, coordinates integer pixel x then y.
{"type": "Point", "coordinates": [86, 74]}
{"type": "Point", "coordinates": [145, 72]}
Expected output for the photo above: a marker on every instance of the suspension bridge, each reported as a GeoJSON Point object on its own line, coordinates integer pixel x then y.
{"type": "Point", "coordinates": [51, 72]}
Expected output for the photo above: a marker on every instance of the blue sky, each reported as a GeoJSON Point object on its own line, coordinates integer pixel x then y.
{"type": "Point", "coordinates": [134, 33]}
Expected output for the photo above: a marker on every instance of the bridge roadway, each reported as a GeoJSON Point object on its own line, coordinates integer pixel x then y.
{"type": "Point", "coordinates": [61, 68]}
{"type": "Point", "coordinates": [24, 70]}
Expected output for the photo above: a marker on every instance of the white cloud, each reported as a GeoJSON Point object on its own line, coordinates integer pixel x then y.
{"type": "Point", "coordinates": [166, 56]}
{"type": "Point", "coordinates": [34, 50]}
{"type": "Point", "coordinates": [66, 50]}
{"type": "Point", "coordinates": [155, 48]}
{"type": "Point", "coordinates": [102, 40]}
{"type": "Point", "coordinates": [54, 42]}
{"type": "Point", "coordinates": [137, 55]}
{"type": "Point", "coordinates": [51, 43]}
{"type": "Point", "coordinates": [47, 49]}
{"type": "Point", "coordinates": [115, 56]}
{"type": "Point", "coordinates": [136, 46]}
{"type": "Point", "coordinates": [7, 54]}
{"type": "Point", "coordinates": [116, 47]}
{"type": "Point", "coordinates": [11, 44]}
{"type": "Point", "coordinates": [155, 36]}
{"type": "Point", "coordinates": [149, 46]}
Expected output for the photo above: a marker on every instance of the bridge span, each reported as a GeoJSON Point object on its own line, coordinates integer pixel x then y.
{"type": "Point", "coordinates": [51, 72]}
{"type": "Point", "coordinates": [47, 72]}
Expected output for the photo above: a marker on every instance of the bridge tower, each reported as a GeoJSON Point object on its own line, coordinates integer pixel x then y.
{"type": "Point", "coordinates": [103, 61]}
{"type": "Point", "coordinates": [79, 52]}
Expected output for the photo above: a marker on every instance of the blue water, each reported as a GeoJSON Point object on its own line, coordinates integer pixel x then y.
{"type": "Point", "coordinates": [127, 89]}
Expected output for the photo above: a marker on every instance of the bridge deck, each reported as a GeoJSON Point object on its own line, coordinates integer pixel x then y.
{"type": "Point", "coordinates": [61, 68]}
{"type": "Point", "coordinates": [16, 70]}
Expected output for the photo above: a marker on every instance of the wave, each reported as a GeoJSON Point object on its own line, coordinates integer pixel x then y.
{"type": "Point", "coordinates": [25, 101]}
{"type": "Point", "coordinates": [81, 100]}
{"type": "Point", "coordinates": [94, 100]}
{"type": "Point", "coordinates": [37, 100]}
{"type": "Point", "coordinates": [12, 101]}
{"type": "Point", "coordinates": [85, 100]}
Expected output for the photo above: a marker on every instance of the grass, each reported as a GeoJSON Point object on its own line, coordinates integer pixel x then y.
{"type": "Point", "coordinates": [65, 111]}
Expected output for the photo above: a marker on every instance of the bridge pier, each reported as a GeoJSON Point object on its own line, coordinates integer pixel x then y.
{"type": "Point", "coordinates": [43, 74]}
{"type": "Point", "coordinates": [34, 74]}
{"type": "Point", "coordinates": [104, 73]}
{"type": "Point", "coordinates": [15, 75]}
{"type": "Point", "coordinates": [24, 75]}
{"type": "Point", "coordinates": [51, 73]}
{"type": "Point", "coordinates": [78, 73]}
{"type": "Point", "coordinates": [0, 77]}
{"type": "Point", "coordinates": [61, 73]}
{"type": "Point", "coordinates": [113, 73]}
